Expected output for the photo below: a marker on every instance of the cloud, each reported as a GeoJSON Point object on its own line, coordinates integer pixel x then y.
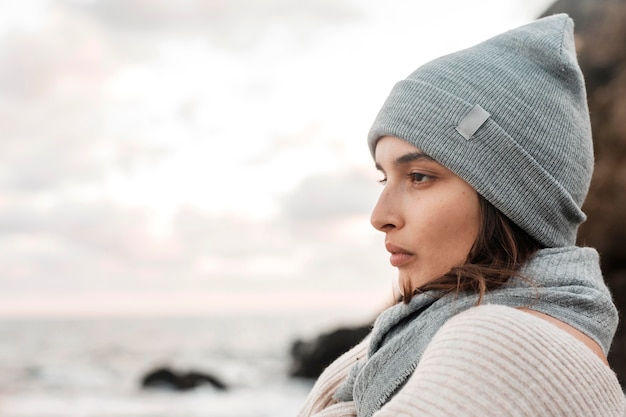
{"type": "Point", "coordinates": [111, 110]}
{"type": "Point", "coordinates": [72, 248]}
{"type": "Point", "coordinates": [95, 230]}
{"type": "Point", "coordinates": [52, 143]}
{"type": "Point", "coordinates": [52, 112]}
{"type": "Point", "coordinates": [60, 125]}
{"type": "Point", "coordinates": [67, 53]}
{"type": "Point", "coordinates": [329, 197]}
{"type": "Point", "coordinates": [231, 24]}
{"type": "Point", "coordinates": [44, 145]}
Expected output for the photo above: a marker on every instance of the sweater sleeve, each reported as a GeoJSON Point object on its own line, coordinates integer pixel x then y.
{"type": "Point", "coordinates": [494, 361]}
{"type": "Point", "coordinates": [320, 402]}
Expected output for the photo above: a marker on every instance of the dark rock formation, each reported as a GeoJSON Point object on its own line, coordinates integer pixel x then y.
{"type": "Point", "coordinates": [165, 378]}
{"type": "Point", "coordinates": [600, 29]}
{"type": "Point", "coordinates": [309, 358]}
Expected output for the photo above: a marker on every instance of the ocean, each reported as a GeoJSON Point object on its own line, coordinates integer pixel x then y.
{"type": "Point", "coordinates": [93, 367]}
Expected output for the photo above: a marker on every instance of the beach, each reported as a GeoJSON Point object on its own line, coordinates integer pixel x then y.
{"type": "Point", "coordinates": [92, 367]}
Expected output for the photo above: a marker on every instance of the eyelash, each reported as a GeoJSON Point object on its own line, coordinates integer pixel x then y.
{"type": "Point", "coordinates": [416, 177]}
{"type": "Point", "coordinates": [419, 177]}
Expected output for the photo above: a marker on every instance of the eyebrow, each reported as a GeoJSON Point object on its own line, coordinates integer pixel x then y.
{"type": "Point", "coordinates": [407, 158]}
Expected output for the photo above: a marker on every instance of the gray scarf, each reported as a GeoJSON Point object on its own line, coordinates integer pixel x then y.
{"type": "Point", "coordinates": [565, 283]}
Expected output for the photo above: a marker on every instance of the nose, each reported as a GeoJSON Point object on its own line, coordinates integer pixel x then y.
{"type": "Point", "coordinates": [386, 214]}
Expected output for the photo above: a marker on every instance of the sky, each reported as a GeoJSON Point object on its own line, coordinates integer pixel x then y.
{"type": "Point", "coordinates": [168, 157]}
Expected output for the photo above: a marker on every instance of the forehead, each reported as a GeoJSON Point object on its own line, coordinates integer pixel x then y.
{"type": "Point", "coordinates": [390, 149]}
{"type": "Point", "coordinates": [392, 144]}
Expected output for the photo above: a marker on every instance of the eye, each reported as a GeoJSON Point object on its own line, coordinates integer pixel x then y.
{"type": "Point", "coordinates": [383, 181]}
{"type": "Point", "coordinates": [419, 178]}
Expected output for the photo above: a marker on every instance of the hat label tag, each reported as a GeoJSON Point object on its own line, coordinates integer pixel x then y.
{"type": "Point", "coordinates": [472, 121]}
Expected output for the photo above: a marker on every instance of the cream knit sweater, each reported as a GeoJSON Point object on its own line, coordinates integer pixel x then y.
{"type": "Point", "coordinates": [489, 361]}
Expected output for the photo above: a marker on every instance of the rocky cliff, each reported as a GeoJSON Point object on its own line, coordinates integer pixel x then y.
{"type": "Point", "coordinates": [600, 29]}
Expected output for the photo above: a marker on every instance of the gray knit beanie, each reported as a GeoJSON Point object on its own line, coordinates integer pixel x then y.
{"type": "Point", "coordinates": [510, 117]}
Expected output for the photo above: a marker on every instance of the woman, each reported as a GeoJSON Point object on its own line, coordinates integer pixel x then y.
{"type": "Point", "coordinates": [486, 156]}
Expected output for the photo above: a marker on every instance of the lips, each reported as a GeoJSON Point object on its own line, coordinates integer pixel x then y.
{"type": "Point", "coordinates": [399, 256]}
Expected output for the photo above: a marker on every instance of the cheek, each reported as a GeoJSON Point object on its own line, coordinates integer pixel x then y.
{"type": "Point", "coordinates": [445, 232]}
{"type": "Point", "coordinates": [459, 224]}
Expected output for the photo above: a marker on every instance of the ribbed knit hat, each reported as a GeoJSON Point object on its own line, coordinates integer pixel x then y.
{"type": "Point", "coordinates": [510, 117]}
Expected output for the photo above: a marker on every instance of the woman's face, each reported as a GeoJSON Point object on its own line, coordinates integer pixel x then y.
{"type": "Point", "coordinates": [430, 216]}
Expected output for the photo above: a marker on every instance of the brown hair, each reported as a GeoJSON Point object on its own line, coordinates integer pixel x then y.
{"type": "Point", "coordinates": [498, 253]}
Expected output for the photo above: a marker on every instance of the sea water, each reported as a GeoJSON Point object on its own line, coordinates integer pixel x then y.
{"type": "Point", "coordinates": [93, 367]}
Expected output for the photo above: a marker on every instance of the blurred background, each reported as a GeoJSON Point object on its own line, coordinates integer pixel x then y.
{"type": "Point", "coordinates": [186, 184]}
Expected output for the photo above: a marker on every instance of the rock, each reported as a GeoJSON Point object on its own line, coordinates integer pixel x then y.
{"type": "Point", "coordinates": [165, 378]}
{"type": "Point", "coordinates": [309, 358]}
{"type": "Point", "coordinates": [600, 30]}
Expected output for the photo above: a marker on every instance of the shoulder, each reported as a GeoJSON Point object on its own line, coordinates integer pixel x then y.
{"type": "Point", "coordinates": [577, 334]}
{"type": "Point", "coordinates": [526, 334]}
{"type": "Point", "coordinates": [517, 325]}
{"type": "Point", "coordinates": [495, 360]}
